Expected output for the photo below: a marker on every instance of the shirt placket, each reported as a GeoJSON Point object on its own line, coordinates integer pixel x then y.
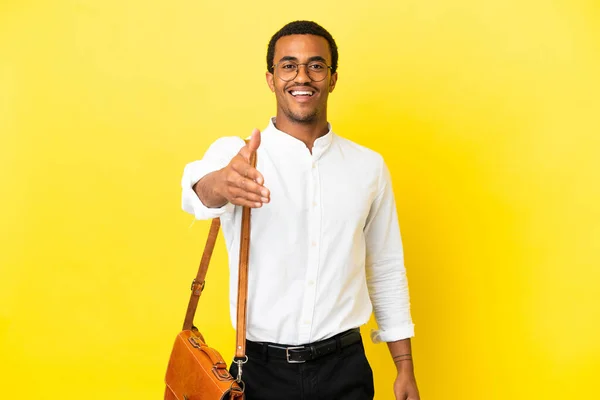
{"type": "Point", "coordinates": [312, 269]}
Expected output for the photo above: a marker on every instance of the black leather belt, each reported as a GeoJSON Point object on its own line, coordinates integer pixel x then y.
{"type": "Point", "coordinates": [312, 351]}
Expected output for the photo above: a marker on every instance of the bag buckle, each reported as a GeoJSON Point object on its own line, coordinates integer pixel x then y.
{"type": "Point", "coordinates": [240, 364]}
{"type": "Point", "coordinates": [287, 354]}
{"type": "Point", "coordinates": [197, 287]}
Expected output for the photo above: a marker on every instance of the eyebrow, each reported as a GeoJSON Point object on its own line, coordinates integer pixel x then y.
{"type": "Point", "coordinates": [313, 58]}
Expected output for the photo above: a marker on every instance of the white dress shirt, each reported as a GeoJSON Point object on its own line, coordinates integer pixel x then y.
{"type": "Point", "coordinates": [326, 250]}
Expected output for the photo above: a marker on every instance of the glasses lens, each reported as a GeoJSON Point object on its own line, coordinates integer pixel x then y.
{"type": "Point", "coordinates": [287, 70]}
{"type": "Point", "coordinates": [316, 70]}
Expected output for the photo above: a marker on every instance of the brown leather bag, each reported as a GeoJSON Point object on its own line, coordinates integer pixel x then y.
{"type": "Point", "coordinates": [197, 371]}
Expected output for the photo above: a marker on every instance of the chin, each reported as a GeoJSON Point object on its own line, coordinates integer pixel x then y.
{"type": "Point", "coordinates": [305, 118]}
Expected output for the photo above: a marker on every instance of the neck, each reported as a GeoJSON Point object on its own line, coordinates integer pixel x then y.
{"type": "Point", "coordinates": [306, 132]}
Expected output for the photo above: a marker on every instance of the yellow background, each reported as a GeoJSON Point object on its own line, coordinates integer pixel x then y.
{"type": "Point", "coordinates": [487, 113]}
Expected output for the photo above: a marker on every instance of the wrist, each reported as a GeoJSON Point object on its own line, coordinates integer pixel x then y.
{"type": "Point", "coordinates": [404, 363]}
{"type": "Point", "coordinates": [208, 190]}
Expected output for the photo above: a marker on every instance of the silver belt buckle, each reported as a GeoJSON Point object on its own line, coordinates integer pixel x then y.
{"type": "Point", "coordinates": [287, 354]}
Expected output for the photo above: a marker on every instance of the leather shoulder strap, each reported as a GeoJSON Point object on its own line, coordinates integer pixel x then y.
{"type": "Point", "coordinates": [199, 282]}
{"type": "Point", "coordinates": [240, 347]}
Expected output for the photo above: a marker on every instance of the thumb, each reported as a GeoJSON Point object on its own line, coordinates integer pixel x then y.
{"type": "Point", "coordinates": [254, 142]}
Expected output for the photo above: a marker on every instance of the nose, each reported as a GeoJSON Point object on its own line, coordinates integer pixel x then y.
{"type": "Point", "coordinates": [302, 75]}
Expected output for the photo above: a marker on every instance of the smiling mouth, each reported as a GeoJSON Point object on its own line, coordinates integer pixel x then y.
{"type": "Point", "coordinates": [301, 93]}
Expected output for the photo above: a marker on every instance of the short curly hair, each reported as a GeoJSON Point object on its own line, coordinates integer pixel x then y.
{"type": "Point", "coordinates": [302, 28]}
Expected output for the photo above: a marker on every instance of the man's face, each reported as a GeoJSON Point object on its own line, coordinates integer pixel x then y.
{"type": "Point", "coordinates": [292, 101]}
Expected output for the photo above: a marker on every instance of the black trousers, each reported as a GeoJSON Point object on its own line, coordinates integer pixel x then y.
{"type": "Point", "coordinates": [342, 375]}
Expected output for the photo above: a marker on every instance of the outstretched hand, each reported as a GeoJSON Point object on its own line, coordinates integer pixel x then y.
{"type": "Point", "coordinates": [240, 183]}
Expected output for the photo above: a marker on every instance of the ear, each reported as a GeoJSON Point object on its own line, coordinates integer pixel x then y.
{"type": "Point", "coordinates": [269, 77]}
{"type": "Point", "coordinates": [333, 81]}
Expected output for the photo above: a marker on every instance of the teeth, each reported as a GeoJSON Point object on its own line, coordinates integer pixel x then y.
{"type": "Point", "coordinates": [301, 93]}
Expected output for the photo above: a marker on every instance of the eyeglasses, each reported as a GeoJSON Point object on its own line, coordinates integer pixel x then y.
{"type": "Point", "coordinates": [288, 70]}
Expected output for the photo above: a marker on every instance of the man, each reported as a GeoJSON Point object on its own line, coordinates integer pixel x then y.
{"type": "Point", "coordinates": [325, 242]}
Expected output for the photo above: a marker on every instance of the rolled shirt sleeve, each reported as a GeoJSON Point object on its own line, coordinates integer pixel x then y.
{"type": "Point", "coordinates": [386, 274]}
{"type": "Point", "coordinates": [218, 155]}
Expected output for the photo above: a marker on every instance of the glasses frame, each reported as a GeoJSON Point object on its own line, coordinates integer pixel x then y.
{"type": "Point", "coordinates": [274, 66]}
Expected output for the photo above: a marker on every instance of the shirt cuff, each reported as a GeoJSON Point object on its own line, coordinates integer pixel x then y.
{"type": "Point", "coordinates": [192, 204]}
{"type": "Point", "coordinates": [190, 201]}
{"type": "Point", "coordinates": [394, 334]}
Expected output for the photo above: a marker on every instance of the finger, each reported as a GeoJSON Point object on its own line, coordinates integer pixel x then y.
{"type": "Point", "coordinates": [241, 194]}
{"type": "Point", "coordinates": [249, 172]}
{"type": "Point", "coordinates": [246, 203]}
{"type": "Point", "coordinates": [251, 146]}
{"type": "Point", "coordinates": [236, 180]}
{"type": "Point", "coordinates": [242, 201]}
{"type": "Point", "coordinates": [254, 141]}
{"type": "Point", "coordinates": [254, 175]}
{"type": "Point", "coordinates": [250, 186]}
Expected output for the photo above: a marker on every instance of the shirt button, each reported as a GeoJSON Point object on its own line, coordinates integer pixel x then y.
{"type": "Point", "coordinates": [310, 283]}
{"type": "Point", "coordinates": [307, 322]}
{"type": "Point", "coordinates": [314, 244]}
{"type": "Point", "coordinates": [314, 203]}
{"type": "Point", "coordinates": [314, 165]}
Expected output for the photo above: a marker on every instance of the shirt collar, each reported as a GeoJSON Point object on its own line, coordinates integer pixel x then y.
{"type": "Point", "coordinates": [319, 147]}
